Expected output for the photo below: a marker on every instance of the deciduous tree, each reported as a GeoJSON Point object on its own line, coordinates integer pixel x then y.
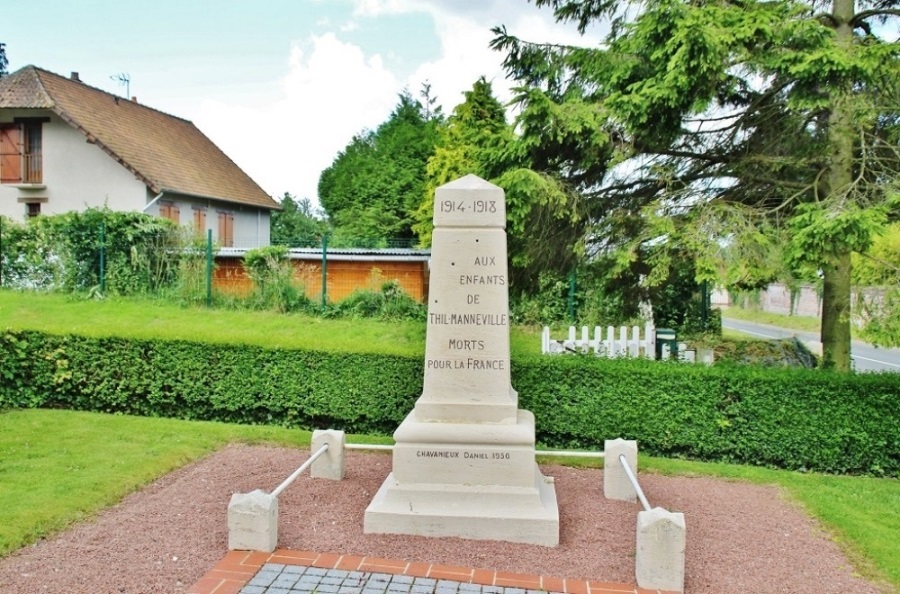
{"type": "Point", "coordinates": [297, 225]}
{"type": "Point", "coordinates": [876, 273]}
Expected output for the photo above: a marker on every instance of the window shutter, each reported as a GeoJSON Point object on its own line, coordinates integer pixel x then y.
{"type": "Point", "coordinates": [169, 210]}
{"type": "Point", "coordinates": [199, 221]}
{"type": "Point", "coordinates": [226, 229]}
{"type": "Point", "coordinates": [10, 154]}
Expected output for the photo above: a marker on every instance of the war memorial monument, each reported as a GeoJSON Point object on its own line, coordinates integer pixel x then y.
{"type": "Point", "coordinates": [464, 460]}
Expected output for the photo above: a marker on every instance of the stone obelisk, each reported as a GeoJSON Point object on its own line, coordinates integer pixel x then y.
{"type": "Point", "coordinates": [464, 462]}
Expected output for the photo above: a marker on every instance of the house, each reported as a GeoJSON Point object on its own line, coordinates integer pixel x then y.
{"type": "Point", "coordinates": [65, 145]}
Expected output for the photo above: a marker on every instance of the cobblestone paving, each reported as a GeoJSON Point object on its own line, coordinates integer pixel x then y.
{"type": "Point", "coordinates": [275, 578]}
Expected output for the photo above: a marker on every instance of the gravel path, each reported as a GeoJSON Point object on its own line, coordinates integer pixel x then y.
{"type": "Point", "coordinates": [741, 538]}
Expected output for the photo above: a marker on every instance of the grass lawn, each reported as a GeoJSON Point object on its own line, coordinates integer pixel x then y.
{"type": "Point", "coordinates": [152, 319]}
{"type": "Point", "coordinates": [860, 512]}
{"type": "Point", "coordinates": [59, 467]}
{"type": "Point", "coordinates": [805, 323]}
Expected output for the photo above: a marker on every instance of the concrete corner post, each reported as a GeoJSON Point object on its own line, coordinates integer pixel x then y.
{"type": "Point", "coordinates": [659, 562]}
{"type": "Point", "coordinates": [253, 522]}
{"type": "Point", "coordinates": [330, 465]}
{"type": "Point", "coordinates": [615, 482]}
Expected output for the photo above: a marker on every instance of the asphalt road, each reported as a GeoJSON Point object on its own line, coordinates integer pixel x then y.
{"type": "Point", "coordinates": [865, 356]}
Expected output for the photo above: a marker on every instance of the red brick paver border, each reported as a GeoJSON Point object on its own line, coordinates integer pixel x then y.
{"type": "Point", "coordinates": [238, 567]}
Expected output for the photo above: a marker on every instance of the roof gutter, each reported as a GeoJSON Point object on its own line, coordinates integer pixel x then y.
{"type": "Point", "coordinates": [152, 202]}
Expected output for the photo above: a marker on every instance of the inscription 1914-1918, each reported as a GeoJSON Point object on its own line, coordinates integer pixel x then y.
{"type": "Point", "coordinates": [475, 206]}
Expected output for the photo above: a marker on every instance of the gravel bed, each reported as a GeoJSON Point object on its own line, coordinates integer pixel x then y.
{"type": "Point", "coordinates": [741, 538]}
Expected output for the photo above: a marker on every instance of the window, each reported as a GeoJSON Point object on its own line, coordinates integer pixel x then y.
{"type": "Point", "coordinates": [32, 205]}
{"type": "Point", "coordinates": [169, 210]}
{"type": "Point", "coordinates": [226, 229]}
{"type": "Point", "coordinates": [199, 220]}
{"type": "Point", "coordinates": [21, 152]}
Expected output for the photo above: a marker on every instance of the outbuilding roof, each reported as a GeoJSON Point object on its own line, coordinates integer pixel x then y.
{"type": "Point", "coordinates": [168, 153]}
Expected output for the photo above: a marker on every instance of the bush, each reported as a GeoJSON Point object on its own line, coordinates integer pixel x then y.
{"type": "Point", "coordinates": [548, 305]}
{"type": "Point", "coordinates": [28, 257]}
{"type": "Point", "coordinates": [793, 419]}
{"type": "Point", "coordinates": [786, 352]}
{"type": "Point", "coordinates": [62, 252]}
{"type": "Point", "coordinates": [274, 286]}
{"type": "Point", "coordinates": [389, 303]}
{"type": "Point", "coordinates": [190, 285]}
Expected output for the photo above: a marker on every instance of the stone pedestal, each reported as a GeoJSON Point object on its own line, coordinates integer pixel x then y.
{"type": "Point", "coordinates": [616, 484]}
{"type": "Point", "coordinates": [659, 557]}
{"type": "Point", "coordinates": [331, 464]}
{"type": "Point", "coordinates": [464, 462]}
{"type": "Point", "coordinates": [253, 522]}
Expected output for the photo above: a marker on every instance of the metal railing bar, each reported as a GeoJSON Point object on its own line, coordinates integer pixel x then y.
{"type": "Point", "coordinates": [367, 446]}
{"type": "Point", "coordinates": [299, 471]}
{"type": "Point", "coordinates": [570, 454]}
{"type": "Point", "coordinates": [634, 483]}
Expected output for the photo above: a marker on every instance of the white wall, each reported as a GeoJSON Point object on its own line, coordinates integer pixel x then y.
{"type": "Point", "coordinates": [251, 225]}
{"type": "Point", "coordinates": [76, 174]}
{"type": "Point", "coordinates": [251, 228]}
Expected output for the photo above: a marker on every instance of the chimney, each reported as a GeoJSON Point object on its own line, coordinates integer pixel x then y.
{"type": "Point", "coordinates": [134, 100]}
{"type": "Point", "coordinates": [74, 76]}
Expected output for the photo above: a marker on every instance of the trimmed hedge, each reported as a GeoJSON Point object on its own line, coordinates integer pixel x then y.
{"type": "Point", "coordinates": [362, 393]}
{"type": "Point", "coordinates": [785, 418]}
{"type": "Point", "coordinates": [793, 419]}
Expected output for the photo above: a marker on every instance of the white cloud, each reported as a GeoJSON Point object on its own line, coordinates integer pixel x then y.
{"type": "Point", "coordinates": [374, 8]}
{"type": "Point", "coordinates": [464, 29]}
{"type": "Point", "coordinates": [331, 92]}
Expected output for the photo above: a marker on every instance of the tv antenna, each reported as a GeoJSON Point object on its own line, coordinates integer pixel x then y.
{"type": "Point", "coordinates": [124, 79]}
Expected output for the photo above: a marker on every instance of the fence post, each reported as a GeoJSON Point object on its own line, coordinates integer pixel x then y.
{"type": "Point", "coordinates": [324, 270]}
{"type": "Point", "coordinates": [209, 267]}
{"type": "Point", "coordinates": [572, 297]}
{"type": "Point", "coordinates": [650, 344]}
{"type": "Point", "coordinates": [102, 259]}
{"type": "Point", "coordinates": [704, 305]}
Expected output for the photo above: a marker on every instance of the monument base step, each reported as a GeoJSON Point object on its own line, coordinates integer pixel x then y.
{"type": "Point", "coordinates": [481, 512]}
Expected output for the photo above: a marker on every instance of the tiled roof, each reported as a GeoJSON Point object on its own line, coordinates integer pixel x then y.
{"type": "Point", "coordinates": [167, 153]}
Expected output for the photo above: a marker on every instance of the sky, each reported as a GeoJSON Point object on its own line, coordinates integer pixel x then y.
{"type": "Point", "coordinates": [280, 85]}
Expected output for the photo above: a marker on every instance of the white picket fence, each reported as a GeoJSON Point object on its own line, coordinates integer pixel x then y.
{"type": "Point", "coordinates": [610, 346]}
{"type": "Point", "coordinates": [628, 343]}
